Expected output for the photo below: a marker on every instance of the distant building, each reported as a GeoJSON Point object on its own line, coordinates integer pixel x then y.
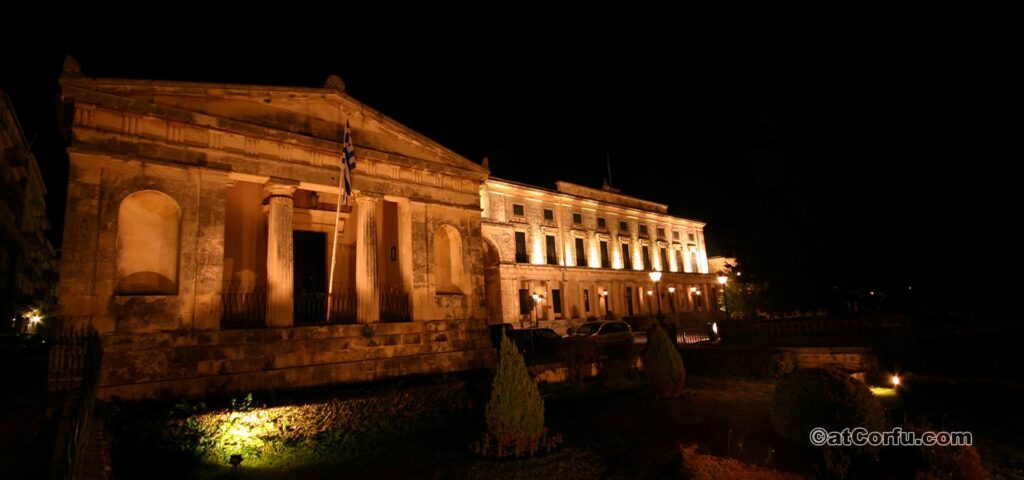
{"type": "Point", "coordinates": [27, 260]}
{"type": "Point", "coordinates": [587, 253]}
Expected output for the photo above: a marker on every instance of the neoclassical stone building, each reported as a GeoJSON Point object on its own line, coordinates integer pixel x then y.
{"type": "Point", "coordinates": [587, 253]}
{"type": "Point", "coordinates": [198, 241]}
{"type": "Point", "coordinates": [198, 230]}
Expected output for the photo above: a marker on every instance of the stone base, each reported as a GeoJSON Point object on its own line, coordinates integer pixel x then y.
{"type": "Point", "coordinates": [192, 364]}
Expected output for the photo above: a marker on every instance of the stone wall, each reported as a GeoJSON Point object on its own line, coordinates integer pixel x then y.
{"type": "Point", "coordinates": [199, 363]}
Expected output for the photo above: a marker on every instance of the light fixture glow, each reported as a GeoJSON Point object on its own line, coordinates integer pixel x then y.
{"type": "Point", "coordinates": [895, 380]}
{"type": "Point", "coordinates": [655, 276]}
{"type": "Point", "coordinates": [723, 279]}
{"type": "Point", "coordinates": [650, 292]}
{"type": "Point", "coordinates": [671, 289]}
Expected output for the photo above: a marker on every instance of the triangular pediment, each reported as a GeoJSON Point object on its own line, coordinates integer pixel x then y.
{"type": "Point", "coordinates": [318, 113]}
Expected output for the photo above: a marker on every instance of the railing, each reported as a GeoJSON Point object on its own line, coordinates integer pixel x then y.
{"type": "Point", "coordinates": [311, 307]}
{"type": "Point", "coordinates": [394, 304]}
{"type": "Point", "coordinates": [686, 336]}
{"type": "Point", "coordinates": [249, 310]}
{"type": "Point", "coordinates": [73, 377]}
{"type": "Point", "coordinates": [244, 310]}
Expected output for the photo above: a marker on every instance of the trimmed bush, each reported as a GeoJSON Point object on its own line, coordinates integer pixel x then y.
{"type": "Point", "coordinates": [515, 413]}
{"type": "Point", "coordinates": [827, 398]}
{"type": "Point", "coordinates": [830, 399]}
{"type": "Point", "coordinates": [663, 368]}
{"type": "Point", "coordinates": [578, 353]}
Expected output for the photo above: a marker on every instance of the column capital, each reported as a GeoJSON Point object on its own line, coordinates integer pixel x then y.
{"type": "Point", "coordinates": [365, 197]}
{"type": "Point", "coordinates": [279, 189]}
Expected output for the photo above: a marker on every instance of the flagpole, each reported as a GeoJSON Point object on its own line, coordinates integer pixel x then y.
{"type": "Point", "coordinates": [337, 215]}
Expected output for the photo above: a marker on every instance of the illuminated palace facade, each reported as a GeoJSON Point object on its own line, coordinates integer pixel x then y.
{"type": "Point", "coordinates": [557, 257]}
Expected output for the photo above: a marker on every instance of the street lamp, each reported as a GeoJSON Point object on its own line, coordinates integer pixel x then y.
{"type": "Point", "coordinates": [671, 298]}
{"type": "Point", "coordinates": [537, 300]}
{"type": "Point", "coordinates": [604, 296]}
{"type": "Point", "coordinates": [723, 279]}
{"type": "Point", "coordinates": [656, 277]}
{"type": "Point", "coordinates": [696, 298]}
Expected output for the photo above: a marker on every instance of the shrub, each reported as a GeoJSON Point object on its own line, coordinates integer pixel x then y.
{"type": "Point", "coordinates": [830, 399]}
{"type": "Point", "coordinates": [663, 368]}
{"type": "Point", "coordinates": [617, 367]}
{"type": "Point", "coordinates": [515, 413]}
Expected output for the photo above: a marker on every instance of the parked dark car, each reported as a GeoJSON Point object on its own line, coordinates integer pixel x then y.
{"type": "Point", "coordinates": [605, 334]}
{"type": "Point", "coordinates": [538, 345]}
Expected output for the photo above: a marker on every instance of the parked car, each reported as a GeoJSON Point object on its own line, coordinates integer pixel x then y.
{"type": "Point", "coordinates": [605, 334]}
{"type": "Point", "coordinates": [538, 345]}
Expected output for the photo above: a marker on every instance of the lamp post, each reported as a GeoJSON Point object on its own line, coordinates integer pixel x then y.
{"type": "Point", "coordinates": [656, 277]}
{"type": "Point", "coordinates": [696, 298]}
{"type": "Point", "coordinates": [537, 300]}
{"type": "Point", "coordinates": [650, 309]}
{"type": "Point", "coordinates": [604, 296]}
{"type": "Point", "coordinates": [671, 298]}
{"type": "Point", "coordinates": [723, 279]}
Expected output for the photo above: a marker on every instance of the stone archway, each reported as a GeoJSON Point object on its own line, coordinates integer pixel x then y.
{"type": "Point", "coordinates": [492, 282]}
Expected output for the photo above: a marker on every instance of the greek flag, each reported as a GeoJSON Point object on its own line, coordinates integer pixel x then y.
{"type": "Point", "coordinates": [348, 163]}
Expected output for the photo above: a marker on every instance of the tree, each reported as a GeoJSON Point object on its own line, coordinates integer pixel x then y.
{"type": "Point", "coordinates": [515, 413]}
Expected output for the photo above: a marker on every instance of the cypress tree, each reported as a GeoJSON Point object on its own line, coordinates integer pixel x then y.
{"type": "Point", "coordinates": [515, 413]}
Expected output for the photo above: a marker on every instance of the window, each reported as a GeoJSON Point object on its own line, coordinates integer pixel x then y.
{"type": "Point", "coordinates": [643, 229]}
{"type": "Point", "coordinates": [577, 219]}
{"type": "Point", "coordinates": [525, 302]}
{"type": "Point", "coordinates": [664, 259]}
{"type": "Point", "coordinates": [549, 214]}
{"type": "Point", "coordinates": [552, 255]}
{"type": "Point", "coordinates": [586, 300]}
{"type": "Point", "coordinates": [521, 256]}
{"type": "Point", "coordinates": [646, 252]}
{"type": "Point", "coordinates": [581, 258]}
{"type": "Point", "coordinates": [518, 210]}
{"type": "Point", "coordinates": [627, 262]}
{"type": "Point", "coordinates": [601, 223]}
{"type": "Point", "coordinates": [147, 244]}
{"type": "Point", "coordinates": [605, 262]}
{"type": "Point", "coordinates": [448, 260]}
{"type": "Point", "coordinates": [624, 226]}
{"type": "Point", "coordinates": [675, 234]}
{"type": "Point", "coordinates": [692, 237]}
{"type": "Point", "coordinates": [661, 232]}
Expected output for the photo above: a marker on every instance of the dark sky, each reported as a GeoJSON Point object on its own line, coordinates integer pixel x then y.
{"type": "Point", "coordinates": [831, 150]}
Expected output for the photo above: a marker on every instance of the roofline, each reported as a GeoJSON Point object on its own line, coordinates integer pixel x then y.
{"type": "Point", "coordinates": [556, 192]}
{"type": "Point", "coordinates": [79, 80]}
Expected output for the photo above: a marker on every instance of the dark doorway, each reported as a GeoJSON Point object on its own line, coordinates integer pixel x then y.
{"type": "Point", "coordinates": [629, 301]}
{"type": "Point", "coordinates": [556, 301]}
{"type": "Point", "coordinates": [310, 276]}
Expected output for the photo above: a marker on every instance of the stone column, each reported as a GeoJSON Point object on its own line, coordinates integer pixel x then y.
{"type": "Point", "coordinates": [367, 283]}
{"type": "Point", "coordinates": [280, 257]}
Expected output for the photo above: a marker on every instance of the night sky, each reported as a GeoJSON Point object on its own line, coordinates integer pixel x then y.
{"type": "Point", "coordinates": [834, 152]}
